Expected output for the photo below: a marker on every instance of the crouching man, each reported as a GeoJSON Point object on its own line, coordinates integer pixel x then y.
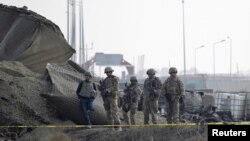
{"type": "Point", "coordinates": [86, 92]}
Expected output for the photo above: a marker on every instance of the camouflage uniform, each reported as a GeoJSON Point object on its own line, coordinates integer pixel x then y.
{"type": "Point", "coordinates": [110, 97]}
{"type": "Point", "coordinates": [173, 89]}
{"type": "Point", "coordinates": [151, 94]}
{"type": "Point", "coordinates": [130, 99]}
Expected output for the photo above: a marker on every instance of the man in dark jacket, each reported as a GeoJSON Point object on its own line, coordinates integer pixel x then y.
{"type": "Point", "coordinates": [86, 92]}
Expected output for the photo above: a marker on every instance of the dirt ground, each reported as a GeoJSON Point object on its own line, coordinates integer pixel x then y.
{"type": "Point", "coordinates": [138, 133]}
{"type": "Point", "coordinates": [150, 133]}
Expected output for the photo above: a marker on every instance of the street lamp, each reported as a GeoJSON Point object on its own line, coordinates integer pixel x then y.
{"type": "Point", "coordinates": [214, 53]}
{"type": "Point", "coordinates": [230, 54]}
{"type": "Point", "coordinates": [195, 57]}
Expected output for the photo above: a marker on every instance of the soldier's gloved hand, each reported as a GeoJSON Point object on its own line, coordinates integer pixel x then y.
{"type": "Point", "coordinates": [182, 98]}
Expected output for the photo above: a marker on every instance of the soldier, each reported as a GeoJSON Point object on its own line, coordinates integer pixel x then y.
{"type": "Point", "coordinates": [86, 92]}
{"type": "Point", "coordinates": [130, 99]}
{"type": "Point", "coordinates": [173, 90]}
{"type": "Point", "coordinates": [151, 94]}
{"type": "Point", "coordinates": [109, 88]}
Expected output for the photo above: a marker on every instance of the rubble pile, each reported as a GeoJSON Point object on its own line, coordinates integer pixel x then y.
{"type": "Point", "coordinates": [20, 102]}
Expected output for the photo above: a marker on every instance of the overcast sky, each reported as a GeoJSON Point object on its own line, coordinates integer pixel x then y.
{"type": "Point", "coordinates": [154, 28]}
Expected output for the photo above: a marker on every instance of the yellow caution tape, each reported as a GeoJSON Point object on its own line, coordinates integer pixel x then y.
{"type": "Point", "coordinates": [137, 125]}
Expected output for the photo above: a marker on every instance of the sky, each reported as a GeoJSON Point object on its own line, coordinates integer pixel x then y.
{"type": "Point", "coordinates": [154, 28]}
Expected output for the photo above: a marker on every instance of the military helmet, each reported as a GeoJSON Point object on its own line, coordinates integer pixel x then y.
{"type": "Point", "coordinates": [133, 78]}
{"type": "Point", "coordinates": [172, 70]}
{"type": "Point", "coordinates": [151, 71]}
{"type": "Point", "coordinates": [108, 69]}
{"type": "Point", "coordinates": [87, 73]}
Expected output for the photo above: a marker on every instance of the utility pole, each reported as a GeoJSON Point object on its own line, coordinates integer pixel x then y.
{"type": "Point", "coordinates": [81, 19]}
{"type": "Point", "coordinates": [80, 32]}
{"type": "Point", "coordinates": [73, 30]}
{"type": "Point", "coordinates": [81, 38]}
{"type": "Point", "coordinates": [68, 1]}
{"type": "Point", "coordinates": [184, 44]}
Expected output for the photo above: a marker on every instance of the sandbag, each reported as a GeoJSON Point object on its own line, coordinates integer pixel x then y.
{"type": "Point", "coordinates": [28, 37]}
{"type": "Point", "coordinates": [69, 107]}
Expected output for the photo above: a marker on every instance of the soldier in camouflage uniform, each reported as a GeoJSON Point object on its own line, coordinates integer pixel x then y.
{"type": "Point", "coordinates": [110, 97]}
{"type": "Point", "coordinates": [130, 100]}
{"type": "Point", "coordinates": [173, 89]}
{"type": "Point", "coordinates": [151, 94]}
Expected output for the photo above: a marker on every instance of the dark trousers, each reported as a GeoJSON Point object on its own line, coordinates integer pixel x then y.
{"type": "Point", "coordinates": [87, 105]}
